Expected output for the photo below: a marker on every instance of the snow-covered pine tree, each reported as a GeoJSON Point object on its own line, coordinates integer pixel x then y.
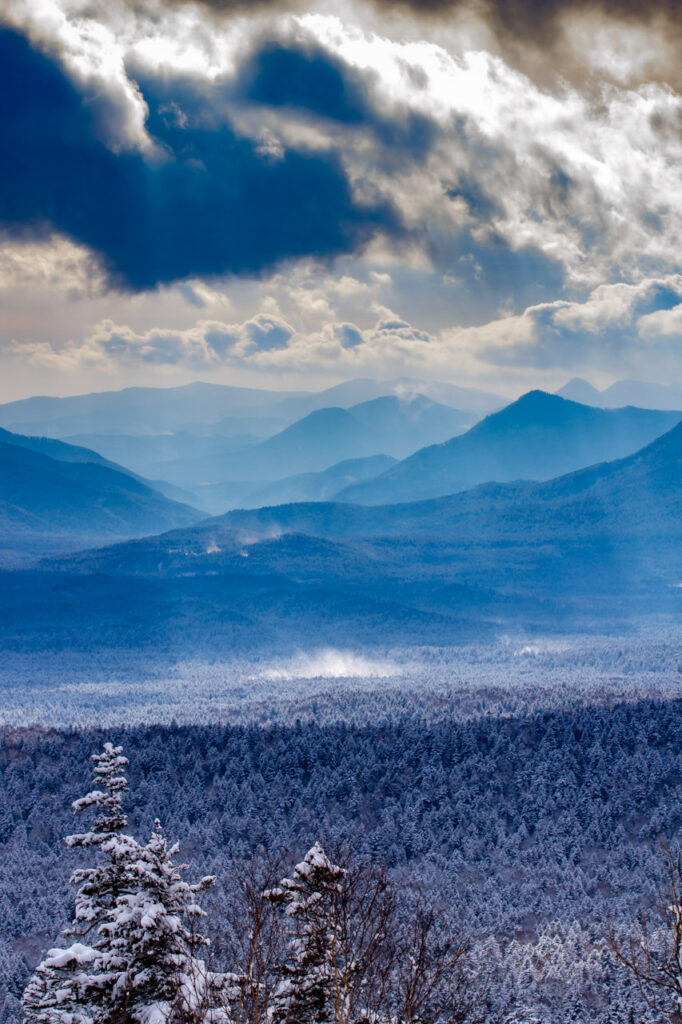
{"type": "Point", "coordinates": [71, 982]}
{"type": "Point", "coordinates": [135, 962]}
{"type": "Point", "coordinates": [153, 935]}
{"type": "Point", "coordinates": [307, 993]}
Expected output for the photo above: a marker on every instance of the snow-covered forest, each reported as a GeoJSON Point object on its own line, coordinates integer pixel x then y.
{"type": "Point", "coordinates": [518, 674]}
{"type": "Point", "coordinates": [526, 833]}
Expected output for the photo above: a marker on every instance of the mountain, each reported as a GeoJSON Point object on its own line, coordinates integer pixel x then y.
{"type": "Point", "coordinates": [57, 449]}
{"type": "Point", "coordinates": [191, 407]}
{"type": "Point", "coordinates": [317, 486]}
{"type": "Point", "coordinates": [186, 460]}
{"type": "Point", "coordinates": [313, 443]}
{"type": "Point", "coordinates": [220, 472]}
{"type": "Point", "coordinates": [642, 394]}
{"type": "Point", "coordinates": [411, 422]}
{"type": "Point", "coordinates": [580, 390]}
{"type": "Point", "coordinates": [72, 452]}
{"type": "Point", "coordinates": [600, 548]}
{"type": "Point", "coordinates": [197, 440]}
{"type": "Point", "coordinates": [535, 438]}
{"type": "Point", "coordinates": [634, 497]}
{"type": "Point", "coordinates": [50, 503]}
{"type": "Point", "coordinates": [202, 408]}
{"type": "Point", "coordinates": [353, 392]}
{"type": "Point", "coordinates": [386, 425]}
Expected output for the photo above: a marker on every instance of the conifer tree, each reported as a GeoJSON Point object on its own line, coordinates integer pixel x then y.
{"type": "Point", "coordinates": [70, 983]}
{"type": "Point", "coordinates": [134, 959]}
{"type": "Point", "coordinates": [306, 993]}
{"type": "Point", "coordinates": [149, 938]}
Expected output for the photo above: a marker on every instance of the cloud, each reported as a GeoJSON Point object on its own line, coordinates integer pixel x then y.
{"type": "Point", "coordinates": [534, 20]}
{"type": "Point", "coordinates": [550, 175]}
{"type": "Point", "coordinates": [610, 329]}
{"type": "Point", "coordinates": [390, 196]}
{"type": "Point", "coordinates": [56, 263]}
{"type": "Point", "coordinates": [208, 343]}
{"type": "Point", "coordinates": [664, 323]}
{"type": "Point", "coordinates": [303, 76]}
{"type": "Point", "coordinates": [614, 331]}
{"type": "Point", "coordinates": [537, 20]}
{"type": "Point", "coordinates": [307, 78]}
{"type": "Point", "coordinates": [210, 204]}
{"type": "Point", "coordinates": [319, 138]}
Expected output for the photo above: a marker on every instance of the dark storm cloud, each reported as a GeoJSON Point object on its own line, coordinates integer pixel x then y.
{"type": "Point", "coordinates": [536, 19]}
{"type": "Point", "coordinates": [526, 19]}
{"type": "Point", "coordinates": [309, 79]}
{"type": "Point", "coordinates": [304, 77]}
{"type": "Point", "coordinates": [211, 203]}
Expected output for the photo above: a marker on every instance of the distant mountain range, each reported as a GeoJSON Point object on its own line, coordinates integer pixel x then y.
{"type": "Point", "coordinates": [638, 497]}
{"type": "Point", "coordinates": [600, 548]}
{"type": "Point", "coordinates": [624, 392]}
{"type": "Point", "coordinates": [596, 547]}
{"type": "Point", "coordinates": [353, 392]}
{"type": "Point", "coordinates": [56, 496]}
{"type": "Point", "coordinates": [535, 438]}
{"type": "Point", "coordinates": [202, 408]}
{"type": "Point", "coordinates": [192, 407]}
{"type": "Point", "coordinates": [221, 471]}
{"type": "Point", "coordinates": [387, 425]}
{"type": "Point", "coordinates": [321, 486]}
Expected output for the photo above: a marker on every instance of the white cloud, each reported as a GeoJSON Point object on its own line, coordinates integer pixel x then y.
{"type": "Point", "coordinates": [209, 343]}
{"type": "Point", "coordinates": [611, 305]}
{"type": "Point", "coordinates": [57, 264]}
{"type": "Point", "coordinates": [86, 39]}
{"type": "Point", "coordinates": [592, 184]}
{"type": "Point", "coordinates": [664, 323]}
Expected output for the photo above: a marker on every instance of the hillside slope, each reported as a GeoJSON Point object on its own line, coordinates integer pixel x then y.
{"type": "Point", "coordinates": [49, 503]}
{"type": "Point", "coordinates": [598, 548]}
{"type": "Point", "coordinates": [538, 437]}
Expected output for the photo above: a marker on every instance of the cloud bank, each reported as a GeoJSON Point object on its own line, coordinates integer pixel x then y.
{"type": "Point", "coordinates": [206, 201]}
{"type": "Point", "coordinates": [460, 189]}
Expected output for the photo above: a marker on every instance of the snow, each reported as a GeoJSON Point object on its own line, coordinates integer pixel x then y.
{"type": "Point", "coordinates": [75, 954]}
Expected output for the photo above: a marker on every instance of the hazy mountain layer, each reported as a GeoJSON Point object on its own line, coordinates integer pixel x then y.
{"type": "Point", "coordinates": [352, 392]}
{"type": "Point", "coordinates": [597, 549]}
{"type": "Point", "coordinates": [386, 425]}
{"type": "Point", "coordinates": [538, 437]}
{"type": "Point", "coordinates": [50, 503]}
{"type": "Point", "coordinates": [214, 408]}
{"type": "Point", "coordinates": [139, 410]}
{"type": "Point", "coordinates": [320, 486]}
{"type": "Point", "coordinates": [644, 394]}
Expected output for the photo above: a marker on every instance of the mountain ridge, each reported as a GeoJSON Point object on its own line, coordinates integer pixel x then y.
{"type": "Point", "coordinates": [48, 502]}
{"type": "Point", "coordinates": [538, 436]}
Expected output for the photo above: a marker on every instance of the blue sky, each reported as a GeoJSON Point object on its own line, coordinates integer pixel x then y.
{"type": "Point", "coordinates": [290, 195]}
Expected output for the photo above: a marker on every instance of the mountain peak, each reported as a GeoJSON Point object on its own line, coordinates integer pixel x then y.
{"type": "Point", "coordinates": [580, 390]}
{"type": "Point", "coordinates": [534, 406]}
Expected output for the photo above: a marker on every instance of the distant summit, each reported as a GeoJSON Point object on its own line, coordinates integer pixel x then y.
{"type": "Point", "coordinates": [537, 437]}
{"type": "Point", "coordinates": [580, 390]}
{"type": "Point", "coordinates": [643, 394]}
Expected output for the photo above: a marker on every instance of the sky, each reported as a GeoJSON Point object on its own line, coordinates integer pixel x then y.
{"type": "Point", "coordinates": [283, 194]}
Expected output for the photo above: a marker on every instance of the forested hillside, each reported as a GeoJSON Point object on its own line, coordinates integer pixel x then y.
{"type": "Point", "coordinates": [528, 833]}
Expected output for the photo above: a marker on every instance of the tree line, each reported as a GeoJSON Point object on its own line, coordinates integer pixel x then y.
{"type": "Point", "coordinates": [519, 831]}
{"type": "Point", "coordinates": [329, 943]}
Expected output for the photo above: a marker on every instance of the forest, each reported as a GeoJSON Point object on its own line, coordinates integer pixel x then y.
{"type": "Point", "coordinates": [530, 835]}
